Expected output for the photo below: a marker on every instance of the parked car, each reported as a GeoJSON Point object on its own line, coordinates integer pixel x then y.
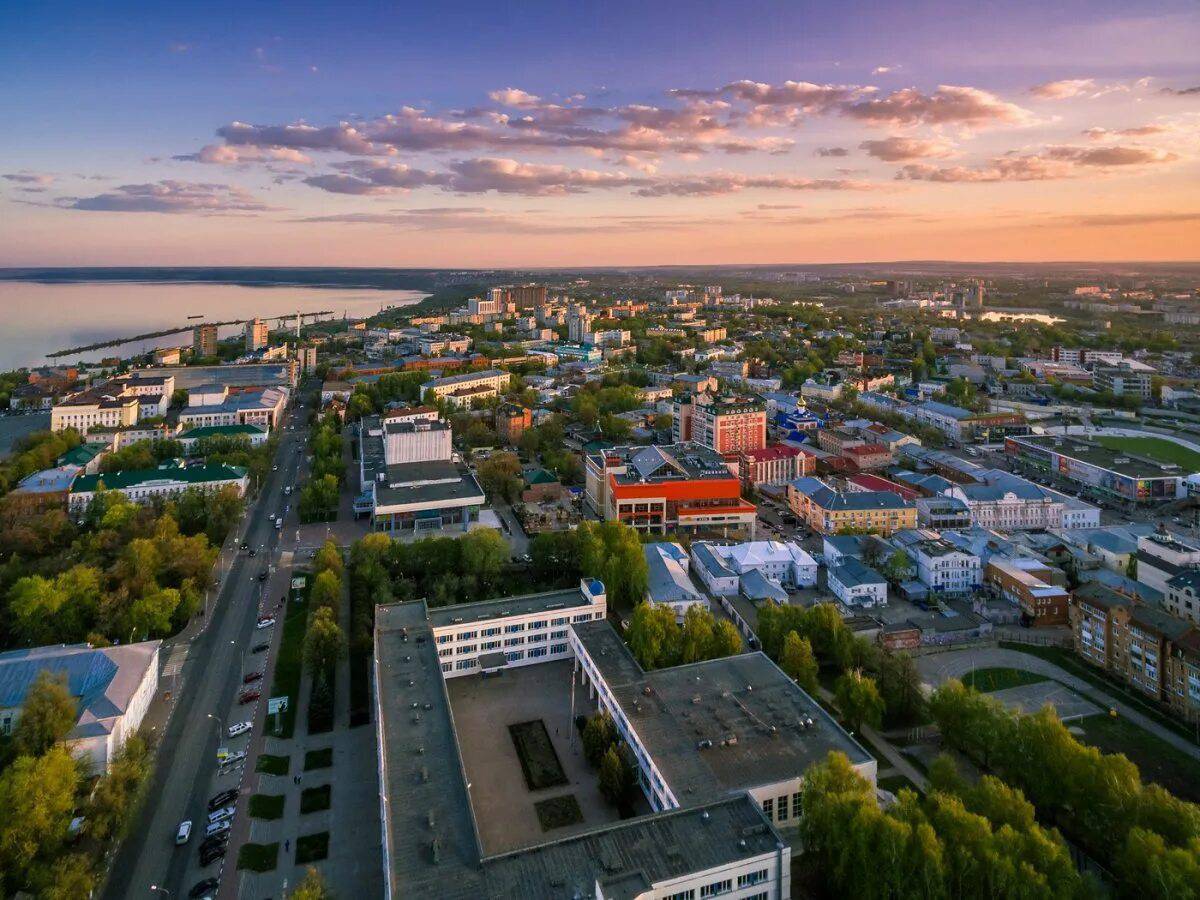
{"type": "Point", "coordinates": [245, 545]}
{"type": "Point", "coordinates": [220, 815]}
{"type": "Point", "coordinates": [259, 648]}
{"type": "Point", "coordinates": [248, 697]}
{"type": "Point", "coordinates": [217, 828]}
{"type": "Point", "coordinates": [222, 799]}
{"type": "Point", "coordinates": [184, 833]}
{"type": "Point", "coordinates": [239, 728]}
{"type": "Point", "coordinates": [231, 758]}
{"type": "Point", "coordinates": [214, 842]}
{"type": "Point", "coordinates": [265, 623]}
{"type": "Point", "coordinates": [204, 888]}
{"type": "Point", "coordinates": [252, 552]}
{"type": "Point", "coordinates": [251, 677]}
{"type": "Point", "coordinates": [211, 855]}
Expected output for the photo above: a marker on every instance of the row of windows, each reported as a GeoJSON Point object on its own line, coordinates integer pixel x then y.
{"type": "Point", "coordinates": [716, 888]}
{"type": "Point", "coordinates": [752, 878]}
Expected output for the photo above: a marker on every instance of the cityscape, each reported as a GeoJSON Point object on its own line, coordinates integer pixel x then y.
{"type": "Point", "coordinates": [756, 456]}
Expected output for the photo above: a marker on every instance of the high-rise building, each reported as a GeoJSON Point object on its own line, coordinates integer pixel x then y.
{"type": "Point", "coordinates": [256, 335]}
{"type": "Point", "coordinates": [307, 359]}
{"type": "Point", "coordinates": [204, 340]}
{"type": "Point", "coordinates": [579, 323]}
{"type": "Point", "coordinates": [527, 295]}
{"type": "Point", "coordinates": [723, 424]}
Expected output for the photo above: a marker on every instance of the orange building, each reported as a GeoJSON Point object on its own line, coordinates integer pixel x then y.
{"type": "Point", "coordinates": [511, 422]}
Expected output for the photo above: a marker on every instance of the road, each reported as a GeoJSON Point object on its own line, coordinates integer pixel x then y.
{"type": "Point", "coordinates": [185, 774]}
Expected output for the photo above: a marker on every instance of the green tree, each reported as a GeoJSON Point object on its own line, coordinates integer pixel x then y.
{"type": "Point", "coordinates": [598, 735]}
{"type": "Point", "coordinates": [798, 662]}
{"type": "Point", "coordinates": [47, 716]}
{"type": "Point", "coordinates": [615, 781]}
{"type": "Point", "coordinates": [324, 642]}
{"type": "Point", "coordinates": [152, 613]}
{"type": "Point", "coordinates": [698, 634]}
{"type": "Point", "coordinates": [311, 887]}
{"type": "Point", "coordinates": [653, 636]}
{"type": "Point", "coordinates": [858, 699]}
{"type": "Point", "coordinates": [328, 559]}
{"type": "Point", "coordinates": [896, 568]}
{"type": "Point", "coordinates": [37, 795]}
{"type": "Point", "coordinates": [500, 476]}
{"type": "Point", "coordinates": [1131, 567]}
{"type": "Point", "coordinates": [727, 640]}
{"type": "Point", "coordinates": [327, 592]}
{"type": "Point", "coordinates": [70, 877]}
{"type": "Point", "coordinates": [485, 553]}
{"type": "Point", "coordinates": [899, 685]}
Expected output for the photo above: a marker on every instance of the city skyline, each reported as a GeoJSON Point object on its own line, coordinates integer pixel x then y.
{"type": "Point", "coordinates": [681, 134]}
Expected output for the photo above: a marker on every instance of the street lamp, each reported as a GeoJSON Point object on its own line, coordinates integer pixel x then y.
{"type": "Point", "coordinates": [161, 890]}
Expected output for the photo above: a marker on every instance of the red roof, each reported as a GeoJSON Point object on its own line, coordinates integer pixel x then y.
{"type": "Point", "coordinates": [866, 450]}
{"type": "Point", "coordinates": [875, 483]}
{"type": "Point", "coordinates": [777, 451]}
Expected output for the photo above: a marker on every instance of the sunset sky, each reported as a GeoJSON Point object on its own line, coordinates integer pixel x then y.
{"type": "Point", "coordinates": [572, 134]}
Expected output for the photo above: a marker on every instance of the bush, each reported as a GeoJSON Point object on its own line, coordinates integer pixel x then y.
{"type": "Point", "coordinates": [266, 806]}
{"type": "Point", "coordinates": [315, 799]}
{"type": "Point", "coordinates": [312, 847]}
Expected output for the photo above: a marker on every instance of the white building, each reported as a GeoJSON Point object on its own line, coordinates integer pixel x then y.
{"type": "Point", "coordinates": [1012, 506]}
{"type": "Point", "coordinates": [416, 440]}
{"type": "Point", "coordinates": [146, 485]}
{"type": "Point", "coordinates": [856, 584]}
{"type": "Point", "coordinates": [669, 582]}
{"type": "Point", "coordinates": [1160, 557]}
{"type": "Point", "coordinates": [210, 405]}
{"type": "Point", "coordinates": [257, 334]}
{"type": "Point", "coordinates": [118, 403]}
{"type": "Point", "coordinates": [944, 568]}
{"type": "Point", "coordinates": [113, 686]}
{"type": "Point", "coordinates": [443, 344]}
{"type": "Point", "coordinates": [467, 387]}
{"type": "Point", "coordinates": [784, 562]}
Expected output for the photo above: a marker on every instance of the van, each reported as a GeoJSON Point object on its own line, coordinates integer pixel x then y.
{"type": "Point", "coordinates": [184, 833]}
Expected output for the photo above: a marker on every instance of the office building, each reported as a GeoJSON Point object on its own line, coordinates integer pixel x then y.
{"type": "Point", "coordinates": [828, 511]}
{"type": "Point", "coordinates": [204, 341]}
{"type": "Point", "coordinates": [218, 404]}
{"type": "Point", "coordinates": [663, 488]}
{"type": "Point", "coordinates": [1029, 584]}
{"type": "Point", "coordinates": [257, 333]}
{"type": "Point", "coordinates": [1122, 381]}
{"type": "Point", "coordinates": [945, 568]}
{"type": "Point", "coordinates": [774, 465]}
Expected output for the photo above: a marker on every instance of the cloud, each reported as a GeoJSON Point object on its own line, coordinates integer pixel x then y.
{"type": "Point", "coordinates": [179, 47]}
{"type": "Point", "coordinates": [883, 70]}
{"type": "Point", "coordinates": [901, 149]}
{"type": "Point", "coordinates": [831, 151]}
{"type": "Point", "coordinates": [515, 97]}
{"type": "Point", "coordinates": [1182, 92]}
{"type": "Point", "coordinates": [1105, 134]}
{"type": "Point", "coordinates": [1110, 156]}
{"type": "Point", "coordinates": [731, 183]}
{"type": "Point", "coordinates": [481, 220]}
{"type": "Point", "coordinates": [948, 105]}
{"type": "Point", "coordinates": [1064, 89]}
{"type": "Point", "coordinates": [1106, 220]}
{"type": "Point", "coordinates": [235, 154]}
{"type": "Point", "coordinates": [802, 95]}
{"type": "Point", "coordinates": [37, 179]}
{"type": "Point", "coordinates": [169, 197]}
{"type": "Point", "coordinates": [1052, 163]}
{"type": "Point", "coordinates": [300, 136]}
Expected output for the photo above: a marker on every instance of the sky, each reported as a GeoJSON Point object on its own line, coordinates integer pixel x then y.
{"type": "Point", "coordinates": [576, 134]}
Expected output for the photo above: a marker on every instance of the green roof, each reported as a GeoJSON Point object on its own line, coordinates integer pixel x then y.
{"type": "Point", "coordinates": [539, 476]}
{"type": "Point", "coordinates": [133, 477]}
{"type": "Point", "coordinates": [82, 455]}
{"type": "Point", "coordinates": [219, 430]}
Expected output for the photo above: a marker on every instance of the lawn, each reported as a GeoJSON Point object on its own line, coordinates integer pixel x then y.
{"type": "Point", "coordinates": [273, 765]}
{"type": "Point", "coordinates": [266, 806]}
{"type": "Point", "coordinates": [1158, 761]}
{"type": "Point", "coordinates": [315, 799]}
{"type": "Point", "coordinates": [290, 662]}
{"type": "Point", "coordinates": [558, 812]}
{"type": "Point", "coordinates": [258, 857]}
{"type": "Point", "coordinates": [312, 847]}
{"type": "Point", "coordinates": [539, 762]}
{"type": "Point", "coordinates": [318, 759]}
{"type": "Point", "coordinates": [997, 679]}
{"type": "Point", "coordinates": [1156, 448]}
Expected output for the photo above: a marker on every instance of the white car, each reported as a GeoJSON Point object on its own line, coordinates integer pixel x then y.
{"type": "Point", "coordinates": [217, 828]}
{"type": "Point", "coordinates": [184, 833]}
{"type": "Point", "coordinates": [239, 728]}
{"type": "Point", "coordinates": [265, 623]}
{"type": "Point", "coordinates": [220, 815]}
{"type": "Point", "coordinates": [288, 489]}
{"type": "Point", "coordinates": [232, 758]}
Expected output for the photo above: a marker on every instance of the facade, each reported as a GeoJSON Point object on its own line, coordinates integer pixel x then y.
{"type": "Point", "coordinates": [942, 513]}
{"type": "Point", "coordinates": [416, 440]}
{"type": "Point", "coordinates": [776, 464]}
{"type": "Point", "coordinates": [512, 421]}
{"type": "Point", "coordinates": [865, 457]}
{"type": "Point", "coordinates": [254, 434]}
{"type": "Point", "coordinates": [828, 511]}
{"type": "Point", "coordinates": [1122, 381]}
{"type": "Point", "coordinates": [97, 407]}
{"type": "Point", "coordinates": [944, 568]}
{"type": "Point", "coordinates": [669, 582]}
{"type": "Point", "coordinates": [146, 485]}
{"type": "Point", "coordinates": [723, 566]}
{"type": "Point", "coordinates": [856, 584]}
{"type": "Point", "coordinates": [1012, 506]}
{"type": "Point", "coordinates": [307, 358]}
{"type": "Point", "coordinates": [462, 390]}
{"type": "Point", "coordinates": [1161, 557]}
{"type": "Point", "coordinates": [211, 405]}
{"type": "Point", "coordinates": [1104, 472]}
{"type": "Point", "coordinates": [113, 687]}
{"type": "Point", "coordinates": [204, 341]}
{"type": "Point", "coordinates": [442, 344]}
{"type": "Point", "coordinates": [664, 488]}
{"type": "Point", "coordinates": [1182, 598]}
{"type": "Point", "coordinates": [1027, 582]}
{"type": "Point", "coordinates": [730, 424]}
{"type": "Point", "coordinates": [257, 333]}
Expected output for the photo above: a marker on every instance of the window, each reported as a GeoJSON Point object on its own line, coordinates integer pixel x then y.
{"type": "Point", "coordinates": [538, 637]}
{"type": "Point", "coordinates": [445, 638]}
{"type": "Point", "coordinates": [752, 878]}
{"type": "Point", "coordinates": [514, 641]}
{"type": "Point", "coordinates": [537, 651]}
{"type": "Point", "coordinates": [796, 805]}
{"type": "Point", "coordinates": [540, 623]}
{"type": "Point", "coordinates": [689, 894]}
{"type": "Point", "coordinates": [782, 803]}
{"type": "Point", "coordinates": [449, 651]}
{"type": "Point", "coordinates": [558, 648]}
{"type": "Point", "coordinates": [563, 620]}
{"type": "Point", "coordinates": [769, 809]}
{"type": "Point", "coordinates": [716, 888]}
{"type": "Point", "coordinates": [514, 655]}
{"type": "Point", "coordinates": [584, 617]}
{"type": "Point", "coordinates": [446, 667]}
{"type": "Point", "coordinates": [467, 636]}
{"type": "Point", "coordinates": [515, 627]}
{"type": "Point", "coordinates": [489, 645]}
{"type": "Point", "coordinates": [465, 664]}
{"type": "Point", "coordinates": [466, 648]}
{"type": "Point", "coordinates": [558, 635]}
{"type": "Point", "coordinates": [488, 632]}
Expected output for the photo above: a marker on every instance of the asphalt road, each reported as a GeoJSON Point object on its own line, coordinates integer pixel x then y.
{"type": "Point", "coordinates": [185, 774]}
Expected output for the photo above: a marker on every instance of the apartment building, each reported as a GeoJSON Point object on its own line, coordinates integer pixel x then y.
{"type": "Point", "coordinates": [1029, 583]}
{"type": "Point", "coordinates": [828, 511]}
{"type": "Point", "coordinates": [464, 389]}
{"type": "Point", "coordinates": [856, 584]}
{"type": "Point", "coordinates": [204, 341]}
{"type": "Point", "coordinates": [103, 406]}
{"type": "Point", "coordinates": [1161, 557]}
{"type": "Point", "coordinates": [729, 424]}
{"type": "Point", "coordinates": [257, 335]}
{"type": "Point", "coordinates": [681, 486]}
{"type": "Point", "coordinates": [944, 568]}
{"type": "Point", "coordinates": [1122, 381]}
{"type": "Point", "coordinates": [443, 344]}
{"type": "Point", "coordinates": [774, 465]}
{"type": "Point", "coordinates": [722, 567]}
{"type": "Point", "coordinates": [512, 420]}
{"type": "Point", "coordinates": [1182, 597]}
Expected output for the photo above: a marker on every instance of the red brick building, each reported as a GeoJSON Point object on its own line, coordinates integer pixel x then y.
{"type": "Point", "coordinates": [512, 421]}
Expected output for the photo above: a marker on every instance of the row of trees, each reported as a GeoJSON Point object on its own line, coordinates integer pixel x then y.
{"type": "Point", "coordinates": [324, 641]}
{"type": "Point", "coordinates": [658, 641]}
{"type": "Point", "coordinates": [981, 841]}
{"type": "Point", "coordinates": [141, 455]}
{"type": "Point", "coordinates": [321, 495]}
{"type": "Point", "coordinates": [1151, 837]}
{"type": "Point", "coordinates": [35, 452]}
{"type": "Point", "coordinates": [605, 751]}
{"type": "Point", "coordinates": [43, 787]}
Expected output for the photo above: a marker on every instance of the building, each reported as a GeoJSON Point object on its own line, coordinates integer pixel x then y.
{"type": "Point", "coordinates": [725, 424]}
{"type": "Point", "coordinates": [204, 341]}
{"type": "Point", "coordinates": [112, 687]}
{"type": "Point", "coordinates": [1082, 356]}
{"type": "Point", "coordinates": [777, 464]}
{"type": "Point", "coordinates": [723, 567]}
{"type": "Point", "coordinates": [512, 420]}
{"type": "Point", "coordinates": [1011, 504]}
{"type": "Point", "coordinates": [1182, 598]}
{"type": "Point", "coordinates": [1122, 381]}
{"type": "Point", "coordinates": [307, 358]}
{"type": "Point", "coordinates": [668, 580]}
{"type": "Point", "coordinates": [1106, 473]}
{"type": "Point", "coordinates": [1160, 557]}
{"type": "Point", "coordinates": [257, 335]}
{"type": "Point", "coordinates": [723, 797]}
{"type": "Point", "coordinates": [526, 296]}
{"type": "Point", "coordinates": [865, 457]}
{"type": "Point", "coordinates": [828, 511]}
{"type": "Point", "coordinates": [255, 435]}
{"type": "Point", "coordinates": [663, 488]}
{"type": "Point", "coordinates": [944, 568]}
{"type": "Point", "coordinates": [217, 404]}
{"type": "Point", "coordinates": [409, 479]}
{"type": "Point", "coordinates": [443, 344]}
{"type": "Point", "coordinates": [1149, 649]}
{"type": "Point", "coordinates": [335, 390]}
{"type": "Point", "coordinates": [856, 584]}
{"type": "Point", "coordinates": [102, 406]}
{"type": "Point", "coordinates": [147, 485]}
{"type": "Point", "coordinates": [579, 323]}
{"type": "Point", "coordinates": [1028, 583]}
{"type": "Point", "coordinates": [464, 389]}
{"type": "Point", "coordinates": [942, 513]}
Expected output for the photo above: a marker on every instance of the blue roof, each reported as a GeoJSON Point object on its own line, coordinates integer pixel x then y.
{"type": "Point", "coordinates": [853, 572]}
{"type": "Point", "coordinates": [757, 586]}
{"type": "Point", "coordinates": [88, 673]}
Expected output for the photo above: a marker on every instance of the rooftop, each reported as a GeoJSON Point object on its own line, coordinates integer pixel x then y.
{"type": "Point", "coordinates": [829, 499]}
{"type": "Point", "coordinates": [1120, 461]}
{"type": "Point", "coordinates": [670, 462]}
{"type": "Point", "coordinates": [464, 378]}
{"type": "Point", "coordinates": [165, 474]}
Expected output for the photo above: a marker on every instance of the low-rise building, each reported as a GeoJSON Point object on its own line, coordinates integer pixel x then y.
{"type": "Point", "coordinates": [512, 420]}
{"type": "Point", "coordinates": [773, 465]}
{"type": "Point", "coordinates": [112, 687]}
{"type": "Point", "coordinates": [1029, 583]}
{"type": "Point", "coordinates": [721, 567]}
{"type": "Point", "coordinates": [1161, 556]}
{"type": "Point", "coordinates": [211, 405]}
{"type": "Point", "coordinates": [944, 568]}
{"type": "Point", "coordinates": [668, 580]}
{"type": "Point", "coordinates": [1182, 597]}
{"type": "Point", "coordinates": [466, 388]}
{"type": "Point", "coordinates": [147, 485]}
{"type": "Point", "coordinates": [856, 584]}
{"type": "Point", "coordinates": [828, 511]}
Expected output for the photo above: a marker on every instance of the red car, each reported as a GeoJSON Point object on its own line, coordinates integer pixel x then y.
{"type": "Point", "coordinates": [248, 696]}
{"type": "Point", "coordinates": [252, 677]}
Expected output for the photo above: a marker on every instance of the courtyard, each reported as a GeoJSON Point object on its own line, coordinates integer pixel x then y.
{"type": "Point", "coordinates": [485, 712]}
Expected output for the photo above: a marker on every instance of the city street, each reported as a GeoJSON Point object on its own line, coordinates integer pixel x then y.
{"type": "Point", "coordinates": [205, 700]}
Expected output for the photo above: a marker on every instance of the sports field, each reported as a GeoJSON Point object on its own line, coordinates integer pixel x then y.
{"type": "Point", "coordinates": [1154, 448]}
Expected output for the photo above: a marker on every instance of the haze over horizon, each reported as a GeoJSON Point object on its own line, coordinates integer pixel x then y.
{"type": "Point", "coordinates": [628, 135]}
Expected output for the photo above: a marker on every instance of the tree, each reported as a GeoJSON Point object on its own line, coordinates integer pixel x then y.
{"type": "Point", "coordinates": [615, 780]}
{"type": "Point", "coordinates": [37, 795]}
{"type": "Point", "coordinates": [319, 498]}
{"type": "Point", "coordinates": [727, 640]}
{"type": "Point", "coordinates": [896, 568]}
{"type": "Point", "coordinates": [153, 612]}
{"type": "Point", "coordinates": [798, 662]}
{"type": "Point", "coordinates": [324, 642]}
{"type": "Point", "coordinates": [598, 735]}
{"type": "Point", "coordinates": [499, 475]}
{"type": "Point", "coordinates": [698, 634]}
{"type": "Point", "coordinates": [899, 685]}
{"type": "Point", "coordinates": [653, 635]}
{"type": "Point", "coordinates": [327, 592]}
{"type": "Point", "coordinates": [1131, 567]}
{"type": "Point", "coordinates": [485, 553]}
{"type": "Point", "coordinates": [328, 559]}
{"type": "Point", "coordinates": [70, 877]}
{"type": "Point", "coordinates": [47, 716]}
{"type": "Point", "coordinates": [311, 887]}
{"type": "Point", "coordinates": [859, 700]}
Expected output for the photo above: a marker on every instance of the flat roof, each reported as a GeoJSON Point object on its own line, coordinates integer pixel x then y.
{"type": "Point", "coordinates": [746, 697]}
{"type": "Point", "coordinates": [1101, 457]}
{"type": "Point", "coordinates": [504, 607]}
{"type": "Point", "coordinates": [127, 478]}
